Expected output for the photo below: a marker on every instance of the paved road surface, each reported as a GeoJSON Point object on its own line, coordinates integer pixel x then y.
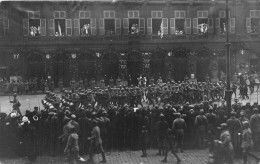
{"type": "Point", "coordinates": [130, 157]}
{"type": "Point", "coordinates": [29, 101]}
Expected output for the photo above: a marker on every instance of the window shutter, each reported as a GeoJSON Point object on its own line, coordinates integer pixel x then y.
{"type": "Point", "coordinates": [69, 27]}
{"type": "Point", "coordinates": [43, 27]}
{"type": "Point", "coordinates": [172, 26]}
{"type": "Point", "coordinates": [195, 25]}
{"type": "Point", "coordinates": [188, 26]}
{"type": "Point", "coordinates": [211, 29]}
{"type": "Point", "coordinates": [25, 27]}
{"type": "Point", "coordinates": [51, 28]}
{"type": "Point", "coordinates": [93, 26]}
{"type": "Point", "coordinates": [6, 26]}
{"type": "Point", "coordinates": [118, 26]}
{"type": "Point", "coordinates": [232, 25]}
{"type": "Point", "coordinates": [248, 25]}
{"type": "Point", "coordinates": [76, 27]}
{"type": "Point", "coordinates": [165, 25]}
{"type": "Point", "coordinates": [141, 26]}
{"type": "Point", "coordinates": [101, 27]}
{"type": "Point", "coordinates": [125, 26]}
{"type": "Point", "coordinates": [149, 26]}
{"type": "Point", "coordinates": [217, 25]}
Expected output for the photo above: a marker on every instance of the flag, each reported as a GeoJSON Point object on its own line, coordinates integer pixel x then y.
{"type": "Point", "coordinates": [161, 29]}
{"type": "Point", "coordinates": [59, 28]}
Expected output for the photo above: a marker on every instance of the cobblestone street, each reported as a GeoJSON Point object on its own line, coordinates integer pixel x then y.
{"type": "Point", "coordinates": [131, 157]}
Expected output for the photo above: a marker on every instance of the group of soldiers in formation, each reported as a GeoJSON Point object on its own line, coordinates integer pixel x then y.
{"type": "Point", "coordinates": [151, 93]}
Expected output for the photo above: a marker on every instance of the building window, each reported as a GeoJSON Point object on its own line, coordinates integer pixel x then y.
{"type": "Point", "coordinates": [4, 23]}
{"type": "Point", "coordinates": [180, 25]}
{"type": "Point", "coordinates": [109, 25]}
{"type": "Point", "coordinates": [202, 25]}
{"type": "Point", "coordinates": [202, 22]}
{"type": "Point", "coordinates": [157, 25]}
{"type": "Point", "coordinates": [133, 24]}
{"type": "Point", "coordinates": [179, 22]}
{"type": "Point", "coordinates": [221, 27]}
{"type": "Point", "coordinates": [59, 23]}
{"type": "Point", "coordinates": [84, 20]}
{"type": "Point", "coordinates": [33, 25]}
{"type": "Point", "coordinates": [60, 26]}
{"type": "Point", "coordinates": [85, 25]}
{"type": "Point", "coordinates": [253, 22]}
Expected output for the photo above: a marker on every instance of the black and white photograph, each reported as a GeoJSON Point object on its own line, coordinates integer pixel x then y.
{"type": "Point", "coordinates": [129, 81]}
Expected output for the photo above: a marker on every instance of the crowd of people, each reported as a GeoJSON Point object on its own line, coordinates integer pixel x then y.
{"type": "Point", "coordinates": [30, 86]}
{"type": "Point", "coordinates": [165, 116]}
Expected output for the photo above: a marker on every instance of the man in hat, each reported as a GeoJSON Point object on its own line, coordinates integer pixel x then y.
{"type": "Point", "coordinates": [234, 89]}
{"type": "Point", "coordinates": [247, 141]}
{"type": "Point", "coordinates": [169, 145]}
{"type": "Point", "coordinates": [255, 127]}
{"type": "Point", "coordinates": [224, 145]}
{"type": "Point", "coordinates": [72, 147]}
{"type": "Point", "coordinates": [201, 124]}
{"type": "Point", "coordinates": [111, 82]}
{"type": "Point", "coordinates": [179, 126]}
{"type": "Point", "coordinates": [96, 141]}
{"type": "Point", "coordinates": [61, 85]}
{"type": "Point", "coordinates": [28, 139]}
{"type": "Point", "coordinates": [16, 104]}
{"type": "Point", "coordinates": [161, 129]}
{"type": "Point", "coordinates": [234, 127]}
{"type": "Point", "coordinates": [212, 122]}
{"type": "Point", "coordinates": [104, 128]}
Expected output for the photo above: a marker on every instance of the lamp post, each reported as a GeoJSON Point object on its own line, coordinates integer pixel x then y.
{"type": "Point", "coordinates": [228, 91]}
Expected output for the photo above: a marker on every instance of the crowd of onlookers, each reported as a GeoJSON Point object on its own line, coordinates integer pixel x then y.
{"type": "Point", "coordinates": [123, 127]}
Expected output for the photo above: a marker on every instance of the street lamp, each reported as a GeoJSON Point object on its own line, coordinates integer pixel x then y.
{"type": "Point", "coordinates": [228, 91]}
